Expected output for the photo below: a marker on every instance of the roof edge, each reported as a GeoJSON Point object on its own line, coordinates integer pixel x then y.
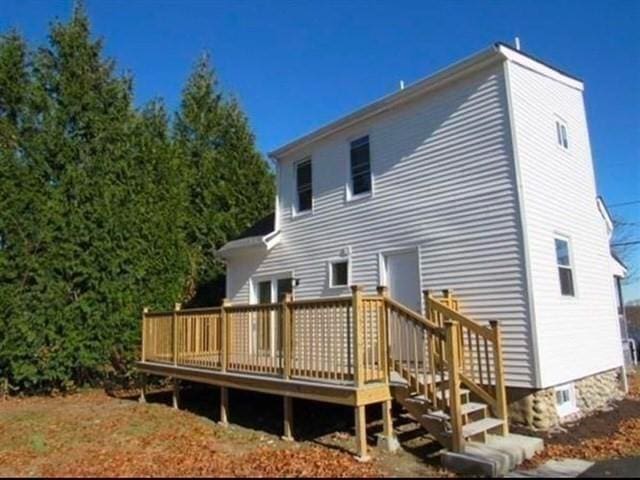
{"type": "Point", "coordinates": [392, 99]}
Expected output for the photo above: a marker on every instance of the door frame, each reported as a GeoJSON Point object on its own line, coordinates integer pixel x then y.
{"type": "Point", "coordinates": [382, 266]}
{"type": "Point", "coordinates": [253, 300]}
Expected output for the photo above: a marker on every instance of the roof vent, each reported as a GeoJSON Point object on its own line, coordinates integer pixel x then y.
{"type": "Point", "coordinates": [518, 43]}
{"type": "Point", "coordinates": [401, 84]}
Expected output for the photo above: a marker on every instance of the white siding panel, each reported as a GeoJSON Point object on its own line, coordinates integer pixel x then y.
{"type": "Point", "coordinates": [576, 336]}
{"type": "Point", "coordinates": [443, 181]}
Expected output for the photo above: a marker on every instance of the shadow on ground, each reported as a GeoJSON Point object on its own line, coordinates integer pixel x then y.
{"type": "Point", "coordinates": [328, 425]}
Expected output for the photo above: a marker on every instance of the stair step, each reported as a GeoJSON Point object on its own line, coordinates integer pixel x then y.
{"type": "Point", "coordinates": [479, 426]}
{"type": "Point", "coordinates": [467, 408]}
{"type": "Point", "coordinates": [421, 398]}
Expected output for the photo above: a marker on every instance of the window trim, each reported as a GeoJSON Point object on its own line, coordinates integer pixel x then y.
{"type": "Point", "coordinates": [330, 263]}
{"type": "Point", "coordinates": [349, 195]}
{"type": "Point", "coordinates": [571, 405]}
{"type": "Point", "coordinates": [571, 267]}
{"type": "Point", "coordinates": [295, 211]}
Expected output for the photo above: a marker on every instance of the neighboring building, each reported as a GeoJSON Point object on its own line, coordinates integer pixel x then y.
{"type": "Point", "coordinates": [478, 179]}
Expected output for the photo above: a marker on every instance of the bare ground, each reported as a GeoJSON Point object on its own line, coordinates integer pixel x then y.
{"type": "Point", "coordinates": [93, 434]}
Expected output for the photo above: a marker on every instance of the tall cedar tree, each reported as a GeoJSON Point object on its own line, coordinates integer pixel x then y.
{"type": "Point", "coordinates": [229, 183]}
{"type": "Point", "coordinates": [91, 190]}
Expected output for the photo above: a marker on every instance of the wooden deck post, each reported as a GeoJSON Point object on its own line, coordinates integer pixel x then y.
{"type": "Point", "coordinates": [224, 406]}
{"type": "Point", "coordinates": [143, 389]}
{"type": "Point", "coordinates": [455, 407]}
{"type": "Point", "coordinates": [288, 419]}
{"type": "Point", "coordinates": [386, 332]}
{"type": "Point", "coordinates": [287, 350]}
{"type": "Point", "coordinates": [358, 341]}
{"type": "Point", "coordinates": [361, 433]}
{"type": "Point", "coordinates": [176, 308]}
{"type": "Point", "coordinates": [176, 393]}
{"type": "Point", "coordinates": [143, 330]}
{"type": "Point", "coordinates": [501, 394]}
{"type": "Point", "coordinates": [224, 335]}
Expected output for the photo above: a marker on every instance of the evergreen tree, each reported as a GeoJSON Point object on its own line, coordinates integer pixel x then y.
{"type": "Point", "coordinates": [105, 208]}
{"type": "Point", "coordinates": [230, 184]}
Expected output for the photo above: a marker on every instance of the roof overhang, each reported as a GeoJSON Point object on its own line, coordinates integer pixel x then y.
{"type": "Point", "coordinates": [249, 245]}
{"type": "Point", "coordinates": [497, 52]}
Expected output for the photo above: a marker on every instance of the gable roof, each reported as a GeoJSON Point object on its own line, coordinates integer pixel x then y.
{"type": "Point", "coordinates": [496, 52]}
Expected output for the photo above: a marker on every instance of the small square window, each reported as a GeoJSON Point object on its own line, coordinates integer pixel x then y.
{"type": "Point", "coordinates": [339, 274]}
{"type": "Point", "coordinates": [565, 400]}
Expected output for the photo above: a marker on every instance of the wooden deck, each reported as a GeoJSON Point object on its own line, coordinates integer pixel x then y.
{"type": "Point", "coordinates": [339, 350]}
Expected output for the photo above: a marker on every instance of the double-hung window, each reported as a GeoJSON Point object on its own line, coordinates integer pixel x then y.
{"type": "Point", "coordinates": [304, 189]}
{"type": "Point", "coordinates": [360, 167]}
{"type": "Point", "coordinates": [562, 137]}
{"type": "Point", "coordinates": [565, 269]}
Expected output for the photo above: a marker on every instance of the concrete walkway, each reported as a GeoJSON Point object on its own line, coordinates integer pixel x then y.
{"type": "Point", "coordinates": [620, 467]}
{"type": "Point", "coordinates": [571, 468]}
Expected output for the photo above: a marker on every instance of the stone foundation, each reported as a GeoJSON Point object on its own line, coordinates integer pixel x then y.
{"type": "Point", "coordinates": [537, 408]}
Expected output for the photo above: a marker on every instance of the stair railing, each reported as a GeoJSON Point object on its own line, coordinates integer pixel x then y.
{"type": "Point", "coordinates": [478, 351]}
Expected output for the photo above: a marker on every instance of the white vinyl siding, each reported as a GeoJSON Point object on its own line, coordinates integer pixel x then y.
{"type": "Point", "coordinates": [576, 336]}
{"type": "Point", "coordinates": [444, 184]}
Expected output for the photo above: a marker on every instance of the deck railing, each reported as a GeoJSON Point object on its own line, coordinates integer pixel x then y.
{"type": "Point", "coordinates": [354, 340]}
{"type": "Point", "coordinates": [320, 340]}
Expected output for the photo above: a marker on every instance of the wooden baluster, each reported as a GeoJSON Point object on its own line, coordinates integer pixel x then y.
{"type": "Point", "coordinates": [501, 395]}
{"type": "Point", "coordinates": [455, 406]}
{"type": "Point", "coordinates": [479, 356]}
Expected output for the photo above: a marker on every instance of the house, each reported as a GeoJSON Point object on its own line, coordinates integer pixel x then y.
{"type": "Point", "coordinates": [478, 180]}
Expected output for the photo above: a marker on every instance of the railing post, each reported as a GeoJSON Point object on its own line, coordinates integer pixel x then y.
{"type": "Point", "coordinates": [385, 330]}
{"type": "Point", "coordinates": [501, 394]}
{"type": "Point", "coordinates": [286, 320]}
{"type": "Point", "coordinates": [176, 308]}
{"type": "Point", "coordinates": [224, 335]}
{"type": "Point", "coordinates": [455, 407]}
{"type": "Point", "coordinates": [446, 297]}
{"type": "Point", "coordinates": [358, 345]}
{"type": "Point", "coordinates": [143, 332]}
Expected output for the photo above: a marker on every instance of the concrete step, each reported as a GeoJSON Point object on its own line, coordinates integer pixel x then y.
{"type": "Point", "coordinates": [495, 458]}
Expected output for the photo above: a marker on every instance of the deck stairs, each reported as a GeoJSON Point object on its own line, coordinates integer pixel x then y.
{"type": "Point", "coordinates": [473, 430]}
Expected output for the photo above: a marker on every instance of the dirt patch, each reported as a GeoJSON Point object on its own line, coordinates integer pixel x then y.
{"type": "Point", "coordinates": [93, 434]}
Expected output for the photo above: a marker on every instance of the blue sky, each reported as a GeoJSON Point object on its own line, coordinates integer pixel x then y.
{"type": "Point", "coordinates": [297, 65]}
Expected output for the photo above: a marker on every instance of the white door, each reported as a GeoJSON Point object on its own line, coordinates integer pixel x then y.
{"type": "Point", "coordinates": [403, 278]}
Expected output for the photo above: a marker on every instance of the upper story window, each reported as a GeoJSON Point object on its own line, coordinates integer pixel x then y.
{"type": "Point", "coordinates": [562, 137]}
{"type": "Point", "coordinates": [304, 191]}
{"type": "Point", "coordinates": [360, 167]}
{"type": "Point", "coordinates": [565, 269]}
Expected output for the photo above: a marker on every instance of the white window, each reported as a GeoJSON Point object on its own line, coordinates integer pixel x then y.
{"type": "Point", "coordinates": [304, 188]}
{"type": "Point", "coordinates": [360, 167]}
{"type": "Point", "coordinates": [565, 270]}
{"type": "Point", "coordinates": [562, 137]}
{"type": "Point", "coordinates": [339, 273]}
{"type": "Point", "coordinates": [565, 400]}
